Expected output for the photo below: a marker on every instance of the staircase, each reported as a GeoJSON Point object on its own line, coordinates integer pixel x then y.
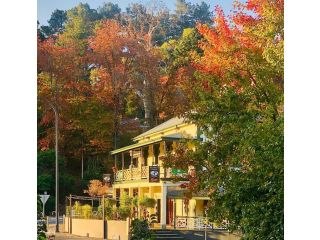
{"type": "Point", "coordinates": [167, 235]}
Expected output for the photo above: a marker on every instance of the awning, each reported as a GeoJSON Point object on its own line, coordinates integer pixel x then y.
{"type": "Point", "coordinates": [136, 145]}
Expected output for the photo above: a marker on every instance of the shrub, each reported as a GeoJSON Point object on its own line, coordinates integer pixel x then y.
{"type": "Point", "coordinates": [86, 211]}
{"type": "Point", "coordinates": [124, 212]}
{"type": "Point", "coordinates": [147, 202]}
{"type": "Point", "coordinates": [125, 200]}
{"type": "Point", "coordinates": [135, 201]}
{"type": "Point", "coordinates": [77, 208]}
{"type": "Point", "coordinates": [108, 208]}
{"type": "Point", "coordinates": [140, 230]}
{"type": "Point", "coordinates": [41, 223]}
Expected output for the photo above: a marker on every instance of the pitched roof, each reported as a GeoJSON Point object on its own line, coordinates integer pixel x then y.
{"type": "Point", "coordinates": [134, 146]}
{"type": "Point", "coordinates": [170, 123]}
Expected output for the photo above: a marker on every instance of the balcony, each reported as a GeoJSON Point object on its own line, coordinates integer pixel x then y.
{"type": "Point", "coordinates": [140, 173]}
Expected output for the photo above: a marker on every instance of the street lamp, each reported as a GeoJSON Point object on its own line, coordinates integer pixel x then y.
{"type": "Point", "coordinates": [57, 163]}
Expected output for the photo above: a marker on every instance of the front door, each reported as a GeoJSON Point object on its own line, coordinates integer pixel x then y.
{"type": "Point", "coordinates": [169, 219]}
{"type": "Point", "coordinates": [158, 209]}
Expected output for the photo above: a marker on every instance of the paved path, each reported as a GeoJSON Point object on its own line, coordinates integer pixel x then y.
{"type": "Point", "coordinates": [211, 235]}
{"type": "Point", "coordinates": [67, 236]}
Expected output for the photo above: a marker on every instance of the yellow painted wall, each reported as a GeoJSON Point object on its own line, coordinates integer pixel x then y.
{"type": "Point", "coordinates": [94, 227]}
{"type": "Point", "coordinates": [179, 206]}
{"type": "Point", "coordinates": [199, 208]}
{"type": "Point", "coordinates": [82, 227]}
{"type": "Point", "coordinates": [117, 228]}
{"type": "Point", "coordinates": [192, 208]}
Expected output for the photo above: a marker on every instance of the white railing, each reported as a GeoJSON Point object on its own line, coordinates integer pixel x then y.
{"type": "Point", "coordinates": [132, 174]}
{"type": "Point", "coordinates": [139, 173]}
{"type": "Point", "coordinates": [193, 223]}
{"type": "Point", "coordinates": [144, 172]}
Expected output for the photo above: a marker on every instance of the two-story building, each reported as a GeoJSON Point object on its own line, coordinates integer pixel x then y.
{"type": "Point", "coordinates": [139, 172]}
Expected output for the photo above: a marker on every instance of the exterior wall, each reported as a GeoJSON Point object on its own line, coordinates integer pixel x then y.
{"type": "Point", "coordinates": [83, 227]}
{"type": "Point", "coordinates": [192, 208]}
{"type": "Point", "coordinates": [199, 208]}
{"type": "Point", "coordinates": [195, 208]}
{"type": "Point", "coordinates": [94, 228]}
{"type": "Point", "coordinates": [118, 228]}
{"type": "Point", "coordinates": [179, 207]}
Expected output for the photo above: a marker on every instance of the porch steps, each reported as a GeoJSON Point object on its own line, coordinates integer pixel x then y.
{"type": "Point", "coordinates": [167, 235]}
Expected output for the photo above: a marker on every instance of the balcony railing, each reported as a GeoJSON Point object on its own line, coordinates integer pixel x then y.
{"type": "Point", "coordinates": [197, 223]}
{"type": "Point", "coordinates": [138, 173]}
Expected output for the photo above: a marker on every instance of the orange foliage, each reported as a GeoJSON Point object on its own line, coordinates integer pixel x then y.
{"type": "Point", "coordinates": [96, 188]}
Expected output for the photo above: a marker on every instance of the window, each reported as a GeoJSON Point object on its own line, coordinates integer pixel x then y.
{"type": "Point", "coordinates": [169, 147]}
{"type": "Point", "coordinates": [145, 154]}
{"type": "Point", "coordinates": [156, 149]}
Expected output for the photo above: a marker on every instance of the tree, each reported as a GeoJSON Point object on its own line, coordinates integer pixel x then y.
{"type": "Point", "coordinates": [115, 51]}
{"type": "Point", "coordinates": [140, 230]}
{"type": "Point", "coordinates": [188, 14]}
{"type": "Point", "coordinates": [57, 20]}
{"type": "Point", "coordinates": [80, 22]}
{"type": "Point", "coordinates": [238, 104]}
{"type": "Point", "coordinates": [96, 188]}
{"type": "Point", "coordinates": [45, 177]}
{"type": "Point", "coordinates": [178, 70]}
{"type": "Point", "coordinates": [109, 10]}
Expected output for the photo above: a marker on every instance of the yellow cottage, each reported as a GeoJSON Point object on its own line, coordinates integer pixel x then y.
{"type": "Point", "coordinates": [139, 172]}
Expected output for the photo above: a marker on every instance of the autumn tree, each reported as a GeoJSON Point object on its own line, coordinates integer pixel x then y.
{"type": "Point", "coordinates": [113, 50]}
{"type": "Point", "coordinates": [96, 188]}
{"type": "Point", "coordinates": [178, 72]}
{"type": "Point", "coordinates": [238, 105]}
{"type": "Point", "coordinates": [84, 124]}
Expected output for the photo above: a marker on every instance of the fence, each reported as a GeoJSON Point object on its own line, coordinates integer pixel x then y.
{"type": "Point", "coordinates": [86, 216]}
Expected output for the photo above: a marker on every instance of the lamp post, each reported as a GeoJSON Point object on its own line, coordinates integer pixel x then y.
{"type": "Point", "coordinates": [57, 169]}
{"type": "Point", "coordinates": [57, 163]}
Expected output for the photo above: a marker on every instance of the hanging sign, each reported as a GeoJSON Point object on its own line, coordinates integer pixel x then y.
{"type": "Point", "coordinates": [178, 172]}
{"type": "Point", "coordinates": [154, 174]}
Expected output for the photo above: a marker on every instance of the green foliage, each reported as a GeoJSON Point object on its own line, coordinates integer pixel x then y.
{"type": "Point", "coordinates": [125, 200]}
{"type": "Point", "coordinates": [109, 10]}
{"type": "Point", "coordinates": [77, 208]}
{"type": "Point", "coordinates": [41, 223]}
{"type": "Point", "coordinates": [57, 20]}
{"type": "Point", "coordinates": [177, 53]}
{"type": "Point", "coordinates": [108, 208]}
{"type": "Point", "coordinates": [140, 230]}
{"type": "Point", "coordinates": [124, 212]}
{"type": "Point", "coordinates": [46, 180]}
{"type": "Point", "coordinates": [188, 14]}
{"type": "Point", "coordinates": [125, 206]}
{"type": "Point", "coordinates": [82, 211]}
{"type": "Point", "coordinates": [80, 22]}
{"type": "Point", "coordinates": [86, 211]}
{"type": "Point", "coordinates": [135, 201]}
{"type": "Point", "coordinates": [147, 202]}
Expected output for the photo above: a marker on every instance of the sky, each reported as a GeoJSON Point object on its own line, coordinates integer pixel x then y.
{"type": "Point", "coordinates": [46, 7]}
